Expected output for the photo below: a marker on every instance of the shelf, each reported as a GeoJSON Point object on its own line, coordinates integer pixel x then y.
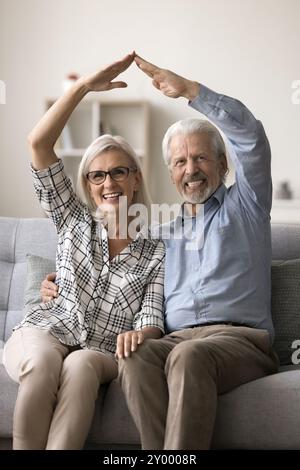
{"type": "Point", "coordinates": [65, 153]}
{"type": "Point", "coordinates": [94, 117]}
{"type": "Point", "coordinates": [286, 211]}
{"type": "Point", "coordinates": [286, 203]}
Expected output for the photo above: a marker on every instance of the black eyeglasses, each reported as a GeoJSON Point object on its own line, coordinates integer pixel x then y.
{"type": "Point", "coordinates": [120, 173]}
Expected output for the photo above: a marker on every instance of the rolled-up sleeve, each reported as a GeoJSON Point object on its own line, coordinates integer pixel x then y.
{"type": "Point", "coordinates": [56, 195]}
{"type": "Point", "coordinates": [152, 309]}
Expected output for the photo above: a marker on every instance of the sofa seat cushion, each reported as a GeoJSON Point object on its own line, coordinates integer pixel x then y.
{"type": "Point", "coordinates": [8, 395]}
{"type": "Point", "coordinates": [112, 422]}
{"type": "Point", "coordinates": [263, 414]}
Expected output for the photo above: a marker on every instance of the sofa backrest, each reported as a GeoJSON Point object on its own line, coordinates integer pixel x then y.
{"type": "Point", "coordinates": [19, 237]}
{"type": "Point", "coordinates": [285, 241]}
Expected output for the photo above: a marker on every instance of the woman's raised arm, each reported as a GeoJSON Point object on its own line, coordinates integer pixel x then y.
{"type": "Point", "coordinates": [44, 135]}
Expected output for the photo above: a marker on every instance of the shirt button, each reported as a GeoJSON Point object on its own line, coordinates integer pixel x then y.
{"type": "Point", "coordinates": [83, 335]}
{"type": "Point", "coordinates": [196, 268]}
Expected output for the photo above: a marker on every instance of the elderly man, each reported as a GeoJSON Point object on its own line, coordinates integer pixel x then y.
{"type": "Point", "coordinates": [217, 299]}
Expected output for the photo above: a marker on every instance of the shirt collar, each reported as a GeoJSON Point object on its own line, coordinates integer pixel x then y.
{"type": "Point", "coordinates": [218, 196]}
{"type": "Point", "coordinates": [143, 234]}
{"type": "Point", "coordinates": [136, 246]}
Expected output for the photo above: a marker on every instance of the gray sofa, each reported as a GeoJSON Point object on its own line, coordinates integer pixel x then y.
{"type": "Point", "coordinates": [263, 414]}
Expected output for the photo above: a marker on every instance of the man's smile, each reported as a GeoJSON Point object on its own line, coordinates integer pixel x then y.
{"type": "Point", "coordinates": [195, 184]}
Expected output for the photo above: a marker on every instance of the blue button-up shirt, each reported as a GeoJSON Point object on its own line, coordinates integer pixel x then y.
{"type": "Point", "coordinates": [227, 278]}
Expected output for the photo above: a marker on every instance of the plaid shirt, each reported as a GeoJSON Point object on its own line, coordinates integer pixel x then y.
{"type": "Point", "coordinates": [97, 298]}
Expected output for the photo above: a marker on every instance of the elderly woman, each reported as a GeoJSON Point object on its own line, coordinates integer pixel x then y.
{"type": "Point", "coordinates": [110, 287]}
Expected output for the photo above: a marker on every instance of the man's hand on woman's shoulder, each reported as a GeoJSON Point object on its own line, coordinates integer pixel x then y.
{"type": "Point", "coordinates": [49, 290]}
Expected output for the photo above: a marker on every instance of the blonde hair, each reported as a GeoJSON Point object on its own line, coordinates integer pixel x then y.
{"type": "Point", "coordinates": [97, 147]}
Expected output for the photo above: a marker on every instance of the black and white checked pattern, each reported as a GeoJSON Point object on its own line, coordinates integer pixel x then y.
{"type": "Point", "coordinates": [98, 298]}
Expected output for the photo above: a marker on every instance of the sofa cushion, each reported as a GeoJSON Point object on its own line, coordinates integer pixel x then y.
{"type": "Point", "coordinates": [9, 390]}
{"type": "Point", "coordinates": [112, 422]}
{"type": "Point", "coordinates": [262, 414]}
{"type": "Point", "coordinates": [37, 269]}
{"type": "Point", "coordinates": [286, 307]}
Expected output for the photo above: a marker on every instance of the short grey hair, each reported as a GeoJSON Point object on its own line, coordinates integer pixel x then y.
{"type": "Point", "coordinates": [193, 126]}
{"type": "Point", "coordinates": [103, 144]}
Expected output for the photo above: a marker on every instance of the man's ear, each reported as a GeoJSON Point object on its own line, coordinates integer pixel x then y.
{"type": "Point", "coordinates": [223, 165]}
{"type": "Point", "coordinates": [171, 175]}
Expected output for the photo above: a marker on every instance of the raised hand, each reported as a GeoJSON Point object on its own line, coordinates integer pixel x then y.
{"type": "Point", "coordinates": [169, 83]}
{"type": "Point", "coordinates": [102, 80]}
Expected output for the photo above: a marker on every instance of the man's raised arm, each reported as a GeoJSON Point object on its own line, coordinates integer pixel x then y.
{"type": "Point", "coordinates": [251, 156]}
{"type": "Point", "coordinates": [169, 83]}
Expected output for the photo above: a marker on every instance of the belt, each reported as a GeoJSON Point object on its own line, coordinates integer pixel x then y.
{"type": "Point", "coordinates": [230, 323]}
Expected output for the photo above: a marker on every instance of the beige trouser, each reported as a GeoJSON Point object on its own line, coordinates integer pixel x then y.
{"type": "Point", "coordinates": [171, 384]}
{"type": "Point", "coordinates": [58, 389]}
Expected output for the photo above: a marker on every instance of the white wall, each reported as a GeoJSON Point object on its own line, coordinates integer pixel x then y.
{"type": "Point", "coordinates": [245, 48]}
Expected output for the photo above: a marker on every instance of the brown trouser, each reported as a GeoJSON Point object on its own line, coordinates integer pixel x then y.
{"type": "Point", "coordinates": [57, 391]}
{"type": "Point", "coordinates": [171, 384]}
